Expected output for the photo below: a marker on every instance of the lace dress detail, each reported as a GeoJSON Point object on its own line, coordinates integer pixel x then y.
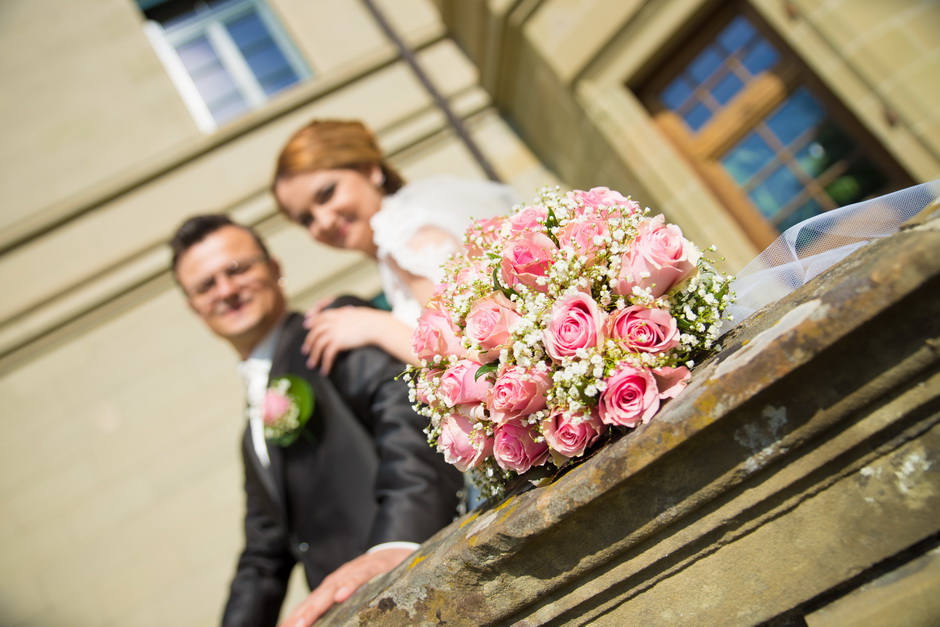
{"type": "Point", "coordinates": [438, 208]}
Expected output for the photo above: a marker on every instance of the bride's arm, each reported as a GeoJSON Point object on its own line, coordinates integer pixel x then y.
{"type": "Point", "coordinates": [335, 330]}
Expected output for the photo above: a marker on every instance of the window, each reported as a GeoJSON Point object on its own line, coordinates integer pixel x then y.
{"type": "Point", "coordinates": [226, 57]}
{"type": "Point", "coordinates": [765, 136]}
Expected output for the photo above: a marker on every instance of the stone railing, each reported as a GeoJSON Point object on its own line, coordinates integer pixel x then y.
{"type": "Point", "coordinates": [796, 479]}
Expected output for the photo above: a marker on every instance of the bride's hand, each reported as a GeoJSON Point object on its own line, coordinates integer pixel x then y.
{"type": "Point", "coordinates": [332, 331]}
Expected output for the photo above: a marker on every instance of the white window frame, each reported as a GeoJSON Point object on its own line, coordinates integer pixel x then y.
{"type": "Point", "coordinates": [211, 24]}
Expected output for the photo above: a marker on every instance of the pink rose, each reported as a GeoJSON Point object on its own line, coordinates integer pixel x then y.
{"type": "Point", "coordinates": [641, 330]}
{"type": "Point", "coordinates": [529, 219]}
{"type": "Point", "coordinates": [580, 235]}
{"type": "Point", "coordinates": [571, 435]}
{"type": "Point", "coordinates": [527, 257]}
{"type": "Point", "coordinates": [488, 323]}
{"type": "Point", "coordinates": [597, 199]}
{"type": "Point", "coordinates": [487, 230]}
{"type": "Point", "coordinates": [461, 444]}
{"type": "Point", "coordinates": [576, 322]}
{"type": "Point", "coordinates": [515, 447]}
{"type": "Point", "coordinates": [671, 381]}
{"type": "Point", "coordinates": [276, 407]}
{"type": "Point", "coordinates": [632, 394]}
{"type": "Point", "coordinates": [435, 336]}
{"type": "Point", "coordinates": [474, 270]}
{"type": "Point", "coordinates": [659, 259]}
{"type": "Point", "coordinates": [459, 385]}
{"type": "Point", "coordinates": [424, 385]}
{"type": "Point", "coordinates": [518, 392]}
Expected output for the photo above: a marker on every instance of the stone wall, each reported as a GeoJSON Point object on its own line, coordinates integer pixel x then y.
{"type": "Point", "coordinates": [796, 479]}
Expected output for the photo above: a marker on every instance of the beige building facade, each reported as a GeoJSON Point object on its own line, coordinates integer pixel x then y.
{"type": "Point", "coordinates": [120, 489]}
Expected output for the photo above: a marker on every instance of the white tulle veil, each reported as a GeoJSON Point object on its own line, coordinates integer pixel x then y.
{"type": "Point", "coordinates": [807, 249]}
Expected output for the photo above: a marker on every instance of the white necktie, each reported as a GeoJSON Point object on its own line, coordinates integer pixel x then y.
{"type": "Point", "coordinates": [254, 373]}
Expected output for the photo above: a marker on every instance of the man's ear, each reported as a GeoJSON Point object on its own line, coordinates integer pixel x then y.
{"type": "Point", "coordinates": [376, 176]}
{"type": "Point", "coordinates": [275, 269]}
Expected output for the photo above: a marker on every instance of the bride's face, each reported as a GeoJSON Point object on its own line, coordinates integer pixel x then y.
{"type": "Point", "coordinates": [334, 205]}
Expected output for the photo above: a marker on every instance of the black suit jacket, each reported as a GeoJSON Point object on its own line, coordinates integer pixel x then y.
{"type": "Point", "coordinates": [362, 474]}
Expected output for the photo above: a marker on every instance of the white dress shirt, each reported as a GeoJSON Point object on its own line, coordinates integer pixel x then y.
{"type": "Point", "coordinates": [254, 372]}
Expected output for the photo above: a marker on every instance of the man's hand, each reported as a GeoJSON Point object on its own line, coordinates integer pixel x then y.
{"type": "Point", "coordinates": [342, 582]}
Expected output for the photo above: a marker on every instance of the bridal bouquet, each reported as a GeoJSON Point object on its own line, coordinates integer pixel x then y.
{"type": "Point", "coordinates": [574, 316]}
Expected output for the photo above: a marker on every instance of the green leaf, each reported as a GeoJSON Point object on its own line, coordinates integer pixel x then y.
{"type": "Point", "coordinates": [508, 291]}
{"type": "Point", "coordinates": [485, 369]}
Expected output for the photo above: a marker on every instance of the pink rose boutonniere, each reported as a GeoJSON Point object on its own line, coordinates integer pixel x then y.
{"type": "Point", "coordinates": [288, 405]}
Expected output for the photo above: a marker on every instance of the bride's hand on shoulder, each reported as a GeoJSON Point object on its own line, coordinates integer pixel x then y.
{"type": "Point", "coordinates": [331, 331]}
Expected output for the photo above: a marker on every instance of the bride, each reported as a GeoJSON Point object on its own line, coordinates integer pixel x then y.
{"type": "Point", "coordinates": [332, 179]}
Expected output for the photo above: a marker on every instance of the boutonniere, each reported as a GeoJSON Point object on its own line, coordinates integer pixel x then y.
{"type": "Point", "coordinates": [288, 405]}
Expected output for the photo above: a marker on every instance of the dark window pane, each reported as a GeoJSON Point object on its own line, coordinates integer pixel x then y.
{"type": "Point", "coordinates": [829, 146]}
{"type": "Point", "coordinates": [274, 83]}
{"type": "Point", "coordinates": [676, 93]}
{"type": "Point", "coordinates": [727, 88]}
{"type": "Point", "coordinates": [697, 117]}
{"type": "Point", "coordinates": [799, 113]}
{"type": "Point", "coordinates": [860, 181]}
{"type": "Point", "coordinates": [248, 31]}
{"type": "Point", "coordinates": [761, 57]}
{"type": "Point", "coordinates": [705, 64]}
{"type": "Point", "coordinates": [747, 158]}
{"type": "Point", "coordinates": [270, 62]}
{"type": "Point", "coordinates": [776, 191]}
{"type": "Point", "coordinates": [736, 34]}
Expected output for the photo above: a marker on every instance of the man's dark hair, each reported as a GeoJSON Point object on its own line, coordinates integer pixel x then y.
{"type": "Point", "coordinates": [198, 228]}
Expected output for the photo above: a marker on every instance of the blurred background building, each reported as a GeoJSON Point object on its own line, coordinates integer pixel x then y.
{"type": "Point", "coordinates": [120, 489]}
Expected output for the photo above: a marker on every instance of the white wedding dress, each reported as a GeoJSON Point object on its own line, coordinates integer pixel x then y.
{"type": "Point", "coordinates": [446, 203]}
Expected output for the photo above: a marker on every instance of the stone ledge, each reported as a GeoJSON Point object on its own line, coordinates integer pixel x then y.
{"type": "Point", "coordinates": [769, 483]}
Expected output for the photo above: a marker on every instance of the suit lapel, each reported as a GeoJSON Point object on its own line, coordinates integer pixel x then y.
{"type": "Point", "coordinates": [265, 475]}
{"type": "Point", "coordinates": [285, 351]}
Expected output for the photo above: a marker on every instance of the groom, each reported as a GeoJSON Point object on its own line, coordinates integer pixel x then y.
{"type": "Point", "coordinates": [353, 496]}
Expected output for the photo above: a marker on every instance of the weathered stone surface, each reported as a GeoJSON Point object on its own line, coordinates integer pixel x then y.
{"type": "Point", "coordinates": [800, 464]}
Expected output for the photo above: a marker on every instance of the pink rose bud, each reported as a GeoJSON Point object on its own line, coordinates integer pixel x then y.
{"type": "Point", "coordinates": [459, 384]}
{"type": "Point", "coordinates": [671, 381]}
{"type": "Point", "coordinates": [276, 407]}
{"type": "Point", "coordinates": [515, 447]}
{"type": "Point", "coordinates": [579, 235]}
{"type": "Point", "coordinates": [659, 259]}
{"type": "Point", "coordinates": [598, 200]}
{"type": "Point", "coordinates": [526, 257]}
{"type": "Point", "coordinates": [576, 323]}
{"type": "Point", "coordinates": [487, 230]}
{"type": "Point", "coordinates": [529, 219]}
{"type": "Point", "coordinates": [423, 384]}
{"type": "Point", "coordinates": [641, 330]}
{"type": "Point", "coordinates": [518, 392]}
{"type": "Point", "coordinates": [435, 335]}
{"type": "Point", "coordinates": [488, 323]}
{"type": "Point", "coordinates": [461, 445]}
{"type": "Point", "coordinates": [570, 436]}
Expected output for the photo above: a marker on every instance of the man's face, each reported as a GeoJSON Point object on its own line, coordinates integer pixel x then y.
{"type": "Point", "coordinates": [232, 286]}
